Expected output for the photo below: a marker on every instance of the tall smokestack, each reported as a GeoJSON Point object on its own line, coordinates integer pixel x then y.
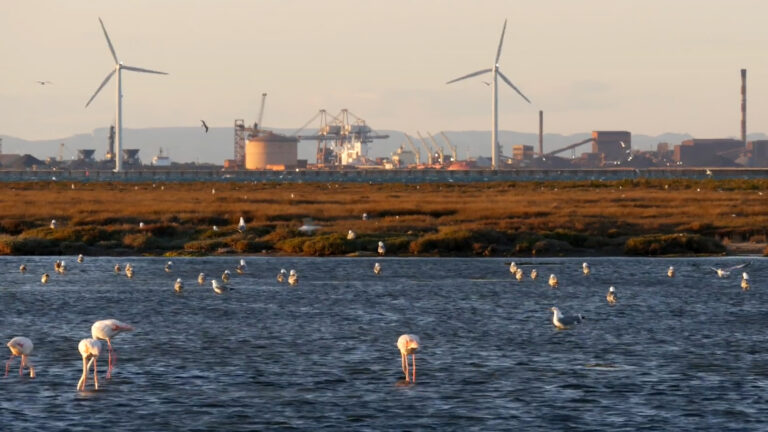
{"type": "Point", "coordinates": [541, 133]}
{"type": "Point", "coordinates": [744, 106]}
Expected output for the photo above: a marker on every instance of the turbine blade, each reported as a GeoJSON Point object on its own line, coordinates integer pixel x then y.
{"type": "Point", "coordinates": [103, 83]}
{"type": "Point", "coordinates": [506, 80]}
{"type": "Point", "coordinates": [501, 41]}
{"type": "Point", "coordinates": [109, 42]}
{"type": "Point", "coordinates": [135, 69]}
{"type": "Point", "coordinates": [480, 72]}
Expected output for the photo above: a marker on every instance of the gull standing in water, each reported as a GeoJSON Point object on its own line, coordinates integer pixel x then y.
{"type": "Point", "coordinates": [225, 276]}
{"type": "Point", "coordinates": [45, 278]}
{"type": "Point", "coordinates": [240, 268]}
{"type": "Point", "coordinates": [107, 330]}
{"type": "Point", "coordinates": [512, 267]}
{"type": "Point", "coordinates": [377, 268]}
{"type": "Point", "coordinates": [611, 296]}
{"type": "Point", "coordinates": [585, 269]}
{"type": "Point", "coordinates": [90, 349]}
{"type": "Point", "coordinates": [23, 268]}
{"type": "Point", "coordinates": [564, 321]}
{"type": "Point", "coordinates": [293, 278]}
{"type": "Point", "coordinates": [553, 281]}
{"type": "Point", "coordinates": [282, 276]}
{"type": "Point", "coordinates": [671, 271]}
{"type": "Point", "coordinates": [218, 288]}
{"type": "Point", "coordinates": [20, 347]}
{"type": "Point", "coordinates": [178, 286]}
{"type": "Point", "coordinates": [129, 271]}
{"type": "Point", "coordinates": [744, 281]}
{"type": "Point", "coordinates": [118, 269]}
{"type": "Point", "coordinates": [408, 344]}
{"type": "Point", "coordinates": [534, 274]}
{"type": "Point", "coordinates": [169, 266]}
{"type": "Point", "coordinates": [201, 278]}
{"type": "Point", "coordinates": [80, 258]}
{"type": "Point", "coordinates": [381, 249]}
{"type": "Point", "coordinates": [519, 274]}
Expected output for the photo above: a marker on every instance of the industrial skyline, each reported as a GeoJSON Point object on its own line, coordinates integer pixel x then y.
{"type": "Point", "coordinates": [649, 67]}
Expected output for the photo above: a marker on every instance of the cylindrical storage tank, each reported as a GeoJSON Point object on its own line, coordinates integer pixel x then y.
{"type": "Point", "coordinates": [270, 151]}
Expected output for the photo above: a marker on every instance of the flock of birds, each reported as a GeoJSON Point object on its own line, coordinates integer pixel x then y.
{"type": "Point", "coordinates": [105, 330]}
{"type": "Point", "coordinates": [562, 321]}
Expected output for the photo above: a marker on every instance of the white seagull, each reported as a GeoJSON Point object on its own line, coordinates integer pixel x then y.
{"type": "Point", "coordinates": [351, 235]}
{"type": "Point", "coordinates": [23, 268]}
{"type": "Point", "coordinates": [381, 249]}
{"type": "Point", "coordinates": [611, 296]}
{"type": "Point", "coordinates": [218, 288]}
{"type": "Point", "coordinates": [534, 274]}
{"type": "Point", "coordinates": [553, 281]}
{"type": "Point", "coordinates": [519, 274]}
{"type": "Point", "coordinates": [377, 268]}
{"type": "Point", "coordinates": [201, 278]}
{"type": "Point", "coordinates": [513, 267]}
{"type": "Point", "coordinates": [745, 281]}
{"type": "Point", "coordinates": [45, 278]}
{"type": "Point", "coordinates": [80, 258]}
{"type": "Point", "coordinates": [225, 276]}
{"type": "Point", "coordinates": [178, 286]}
{"type": "Point", "coordinates": [293, 278]}
{"type": "Point", "coordinates": [671, 271]}
{"type": "Point", "coordinates": [724, 272]}
{"type": "Point", "coordinates": [564, 321]}
{"type": "Point", "coordinates": [53, 224]}
{"type": "Point", "coordinates": [585, 269]}
{"type": "Point", "coordinates": [169, 266]}
{"type": "Point", "coordinates": [282, 276]}
{"type": "Point", "coordinates": [241, 225]}
{"type": "Point", "coordinates": [240, 268]}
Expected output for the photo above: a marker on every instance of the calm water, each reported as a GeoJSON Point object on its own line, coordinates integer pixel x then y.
{"type": "Point", "coordinates": [673, 354]}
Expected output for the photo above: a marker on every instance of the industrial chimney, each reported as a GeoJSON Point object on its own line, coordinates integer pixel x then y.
{"type": "Point", "coordinates": [541, 133]}
{"type": "Point", "coordinates": [744, 106]}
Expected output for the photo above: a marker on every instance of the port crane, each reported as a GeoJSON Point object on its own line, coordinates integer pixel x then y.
{"type": "Point", "coordinates": [414, 149]}
{"type": "Point", "coordinates": [454, 151]}
{"type": "Point", "coordinates": [438, 148]}
{"type": "Point", "coordinates": [430, 153]}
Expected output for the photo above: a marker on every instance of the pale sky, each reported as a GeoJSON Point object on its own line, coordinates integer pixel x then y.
{"type": "Point", "coordinates": [648, 66]}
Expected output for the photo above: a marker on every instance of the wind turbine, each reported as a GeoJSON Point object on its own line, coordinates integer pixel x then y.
{"type": "Point", "coordinates": [119, 66]}
{"type": "Point", "coordinates": [494, 100]}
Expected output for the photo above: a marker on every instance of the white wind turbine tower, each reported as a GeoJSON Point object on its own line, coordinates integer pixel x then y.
{"type": "Point", "coordinates": [495, 103]}
{"type": "Point", "coordinates": [119, 66]}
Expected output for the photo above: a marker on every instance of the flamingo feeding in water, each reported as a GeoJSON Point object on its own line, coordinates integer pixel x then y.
{"type": "Point", "coordinates": [107, 330]}
{"type": "Point", "coordinates": [90, 349]}
{"type": "Point", "coordinates": [408, 344]}
{"type": "Point", "coordinates": [20, 346]}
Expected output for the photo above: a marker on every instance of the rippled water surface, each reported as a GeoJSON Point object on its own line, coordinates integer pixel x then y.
{"type": "Point", "coordinates": [673, 354]}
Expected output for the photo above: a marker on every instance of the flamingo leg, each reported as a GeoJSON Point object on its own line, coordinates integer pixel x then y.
{"type": "Point", "coordinates": [21, 366]}
{"type": "Point", "coordinates": [109, 365]}
{"type": "Point", "coordinates": [29, 364]}
{"type": "Point", "coordinates": [413, 356]}
{"type": "Point", "coordinates": [8, 365]}
{"type": "Point", "coordinates": [404, 361]}
{"type": "Point", "coordinates": [84, 377]}
{"type": "Point", "coordinates": [95, 374]}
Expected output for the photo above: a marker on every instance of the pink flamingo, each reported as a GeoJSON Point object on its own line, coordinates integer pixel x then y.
{"type": "Point", "coordinates": [90, 349]}
{"type": "Point", "coordinates": [21, 346]}
{"type": "Point", "coordinates": [408, 344]}
{"type": "Point", "coordinates": [106, 330]}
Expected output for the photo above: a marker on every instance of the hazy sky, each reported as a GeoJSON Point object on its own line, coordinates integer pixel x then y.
{"type": "Point", "coordinates": [649, 66]}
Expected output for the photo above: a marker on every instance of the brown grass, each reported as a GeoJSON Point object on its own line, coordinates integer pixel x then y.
{"type": "Point", "coordinates": [426, 218]}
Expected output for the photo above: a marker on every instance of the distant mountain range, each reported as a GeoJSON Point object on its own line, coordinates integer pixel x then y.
{"type": "Point", "coordinates": [191, 144]}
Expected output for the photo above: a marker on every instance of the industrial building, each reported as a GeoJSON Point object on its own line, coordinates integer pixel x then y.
{"type": "Point", "coordinates": [709, 152]}
{"type": "Point", "coordinates": [269, 150]}
{"type": "Point", "coordinates": [614, 145]}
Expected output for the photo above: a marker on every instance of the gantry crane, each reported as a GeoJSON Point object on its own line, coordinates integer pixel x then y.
{"type": "Point", "coordinates": [454, 152]}
{"type": "Point", "coordinates": [430, 153]}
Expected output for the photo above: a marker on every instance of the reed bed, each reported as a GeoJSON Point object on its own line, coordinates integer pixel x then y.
{"type": "Point", "coordinates": [496, 219]}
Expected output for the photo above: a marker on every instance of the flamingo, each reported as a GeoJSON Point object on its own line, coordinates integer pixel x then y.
{"type": "Point", "coordinates": [90, 349]}
{"type": "Point", "coordinates": [293, 278]}
{"type": "Point", "coordinates": [553, 281]}
{"type": "Point", "coordinates": [564, 321]}
{"type": "Point", "coordinates": [201, 278]}
{"type": "Point", "coordinates": [408, 344]}
{"type": "Point", "coordinates": [585, 269]}
{"type": "Point", "coordinates": [45, 278]}
{"type": "Point", "coordinates": [671, 271]}
{"type": "Point", "coordinates": [107, 330]}
{"type": "Point", "coordinates": [377, 268]}
{"type": "Point", "coordinates": [20, 346]}
{"type": "Point", "coordinates": [281, 276]}
{"type": "Point", "coordinates": [611, 296]}
{"type": "Point", "coordinates": [534, 274]}
{"type": "Point", "coordinates": [240, 268]}
{"type": "Point", "coordinates": [382, 249]}
{"type": "Point", "coordinates": [178, 286]}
